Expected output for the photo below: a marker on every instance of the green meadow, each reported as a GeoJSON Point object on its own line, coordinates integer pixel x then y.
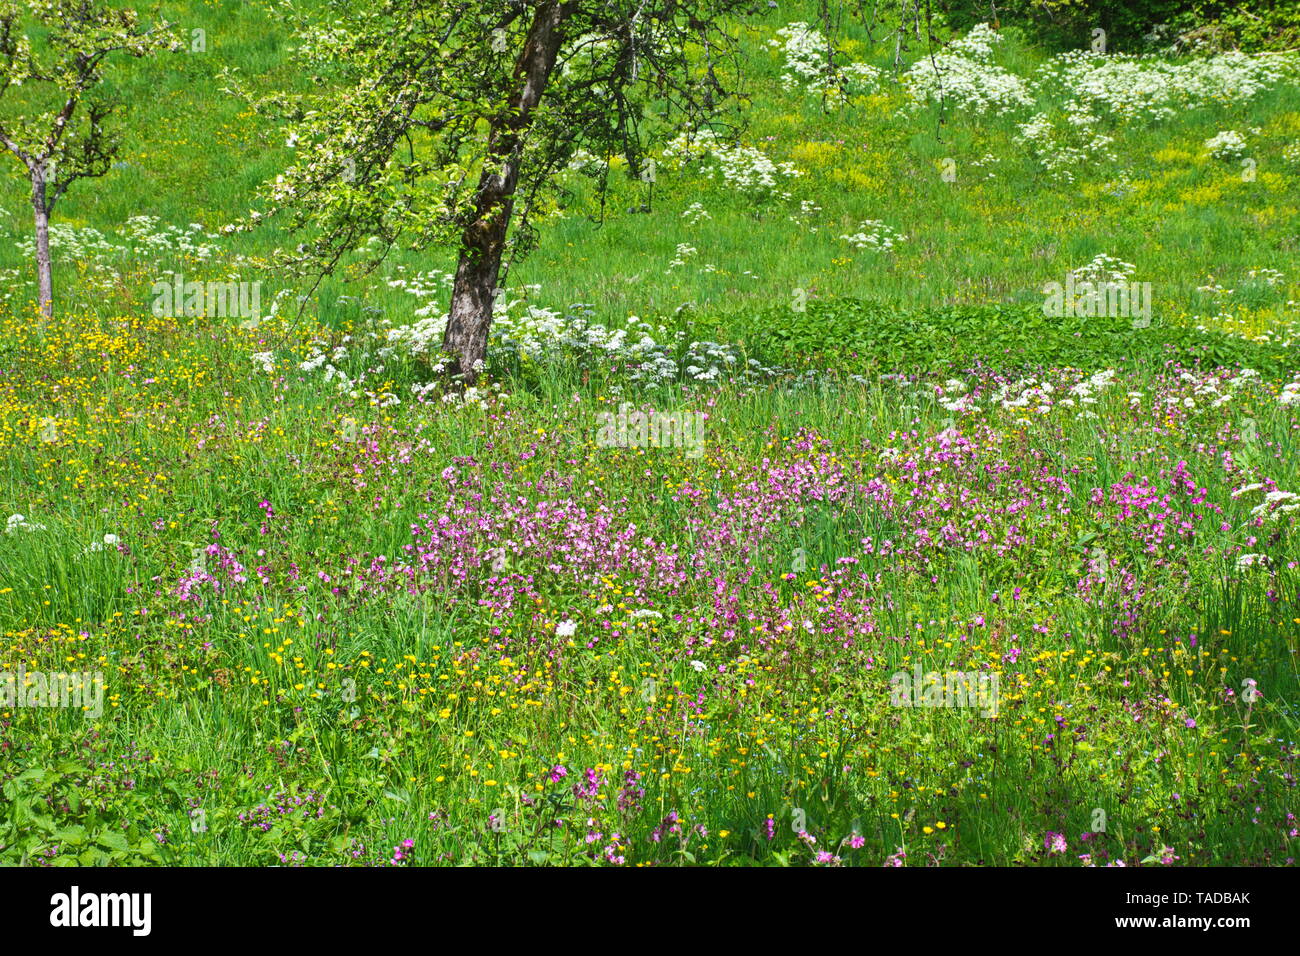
{"type": "Point", "coordinates": [327, 613]}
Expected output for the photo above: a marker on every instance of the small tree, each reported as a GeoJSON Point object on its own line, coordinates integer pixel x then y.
{"type": "Point", "coordinates": [55, 50]}
{"type": "Point", "coordinates": [430, 120]}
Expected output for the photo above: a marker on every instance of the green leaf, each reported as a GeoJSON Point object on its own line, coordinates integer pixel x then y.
{"type": "Point", "coordinates": [74, 835]}
{"type": "Point", "coordinates": [114, 841]}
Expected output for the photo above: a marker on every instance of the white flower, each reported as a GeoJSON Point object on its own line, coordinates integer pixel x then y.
{"type": "Point", "coordinates": [17, 522]}
{"type": "Point", "coordinates": [962, 77]}
{"type": "Point", "coordinates": [874, 234]}
{"type": "Point", "coordinates": [810, 57]}
{"type": "Point", "coordinates": [1144, 88]}
{"type": "Point", "coordinates": [1276, 504]}
{"type": "Point", "coordinates": [1228, 144]}
{"type": "Point", "coordinates": [695, 212]}
{"type": "Point", "coordinates": [699, 665]}
{"type": "Point", "coordinates": [566, 628]}
{"type": "Point", "coordinates": [745, 168]}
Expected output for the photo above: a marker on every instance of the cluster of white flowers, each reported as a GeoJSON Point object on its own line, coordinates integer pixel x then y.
{"type": "Point", "coordinates": [684, 251]}
{"type": "Point", "coordinates": [1136, 87]}
{"type": "Point", "coordinates": [1027, 392]}
{"type": "Point", "coordinates": [648, 353]}
{"type": "Point", "coordinates": [1291, 153]}
{"type": "Point", "coordinates": [142, 237]}
{"type": "Point", "coordinates": [422, 284]}
{"type": "Point", "coordinates": [193, 240]}
{"type": "Point", "coordinates": [746, 168]}
{"type": "Point", "coordinates": [645, 353]}
{"type": "Point", "coordinates": [1227, 144]}
{"type": "Point", "coordinates": [584, 161]}
{"type": "Point", "coordinates": [964, 77]}
{"type": "Point", "coordinates": [1031, 394]}
{"type": "Point", "coordinates": [1234, 384]}
{"type": "Point", "coordinates": [967, 85]}
{"type": "Point", "coordinates": [1279, 331]}
{"type": "Point", "coordinates": [1062, 150]}
{"type": "Point", "coordinates": [1213, 288]}
{"type": "Point", "coordinates": [1290, 394]}
{"type": "Point", "coordinates": [423, 337]}
{"type": "Point", "coordinates": [874, 234]}
{"type": "Point", "coordinates": [109, 541]}
{"type": "Point", "coordinates": [810, 61]}
{"type": "Point", "coordinates": [978, 44]}
{"type": "Point", "coordinates": [1086, 391]}
{"type": "Point", "coordinates": [1041, 396]}
{"type": "Point", "coordinates": [1104, 271]}
{"type": "Point", "coordinates": [951, 396]}
{"type": "Point", "coordinates": [11, 281]}
{"type": "Point", "coordinates": [806, 54]}
{"type": "Point", "coordinates": [695, 213]}
{"type": "Point", "coordinates": [472, 397]}
{"type": "Point", "coordinates": [68, 243]}
{"type": "Point", "coordinates": [321, 355]}
{"type": "Point", "coordinates": [808, 210]}
{"type": "Point", "coordinates": [1276, 503]}
{"type": "Point", "coordinates": [959, 403]}
{"type": "Point", "coordinates": [985, 164]}
{"type": "Point", "coordinates": [18, 523]}
{"type": "Point", "coordinates": [1270, 277]}
{"type": "Point", "coordinates": [1206, 387]}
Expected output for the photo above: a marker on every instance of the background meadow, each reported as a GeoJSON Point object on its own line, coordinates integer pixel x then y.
{"type": "Point", "coordinates": [343, 618]}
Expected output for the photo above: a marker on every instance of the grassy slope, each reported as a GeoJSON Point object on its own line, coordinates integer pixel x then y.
{"type": "Point", "coordinates": [194, 155]}
{"type": "Point", "coordinates": [162, 430]}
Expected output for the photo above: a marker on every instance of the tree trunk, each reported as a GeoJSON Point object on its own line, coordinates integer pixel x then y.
{"type": "Point", "coordinates": [44, 272]}
{"type": "Point", "coordinates": [484, 240]}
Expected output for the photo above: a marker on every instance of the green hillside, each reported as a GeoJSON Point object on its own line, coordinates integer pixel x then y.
{"type": "Point", "coordinates": [794, 521]}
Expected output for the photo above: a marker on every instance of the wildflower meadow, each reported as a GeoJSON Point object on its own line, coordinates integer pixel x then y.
{"type": "Point", "coordinates": [894, 468]}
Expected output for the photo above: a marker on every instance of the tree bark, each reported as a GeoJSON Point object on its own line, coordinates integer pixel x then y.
{"type": "Point", "coordinates": [484, 239]}
{"type": "Point", "coordinates": [44, 271]}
